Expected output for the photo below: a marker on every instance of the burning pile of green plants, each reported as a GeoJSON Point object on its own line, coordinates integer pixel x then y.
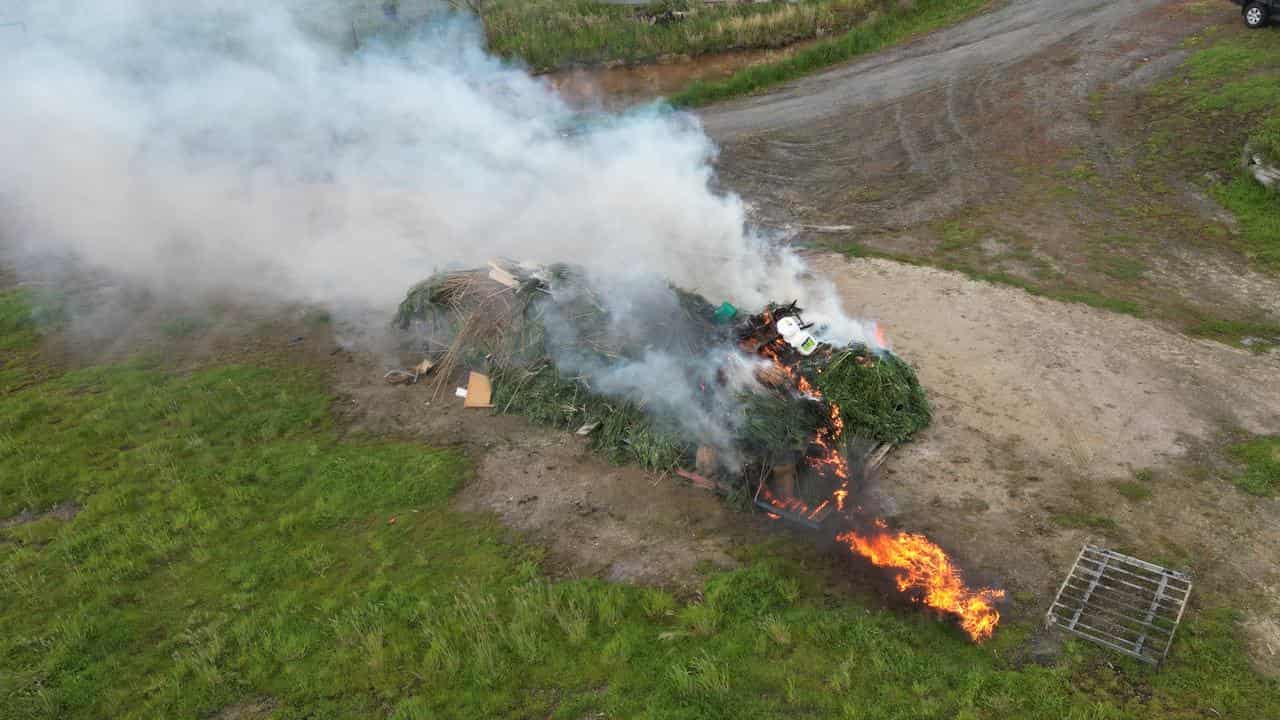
{"type": "Point", "coordinates": [545, 337]}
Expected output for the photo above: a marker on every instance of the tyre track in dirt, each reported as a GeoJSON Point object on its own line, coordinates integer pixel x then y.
{"type": "Point", "coordinates": [919, 131]}
{"type": "Point", "coordinates": [1011, 33]}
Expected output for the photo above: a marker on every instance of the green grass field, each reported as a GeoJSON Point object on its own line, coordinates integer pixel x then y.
{"type": "Point", "coordinates": [1261, 460]}
{"type": "Point", "coordinates": [1227, 91]}
{"type": "Point", "coordinates": [230, 552]}
{"type": "Point", "coordinates": [550, 34]}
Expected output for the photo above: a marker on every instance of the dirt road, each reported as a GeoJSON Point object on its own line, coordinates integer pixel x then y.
{"type": "Point", "coordinates": [914, 133]}
{"type": "Point", "coordinates": [1016, 144]}
{"type": "Point", "coordinates": [977, 49]}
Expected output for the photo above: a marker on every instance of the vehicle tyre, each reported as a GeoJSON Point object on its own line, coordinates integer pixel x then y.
{"type": "Point", "coordinates": [1255, 15]}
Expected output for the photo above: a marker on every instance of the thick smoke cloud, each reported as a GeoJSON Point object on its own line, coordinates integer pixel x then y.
{"type": "Point", "coordinates": [234, 146]}
{"type": "Point", "coordinates": [230, 145]}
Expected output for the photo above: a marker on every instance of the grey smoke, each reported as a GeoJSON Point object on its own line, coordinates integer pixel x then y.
{"type": "Point", "coordinates": [235, 147]}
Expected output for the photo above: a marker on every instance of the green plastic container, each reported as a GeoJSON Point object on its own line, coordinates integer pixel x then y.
{"type": "Point", "coordinates": [725, 313]}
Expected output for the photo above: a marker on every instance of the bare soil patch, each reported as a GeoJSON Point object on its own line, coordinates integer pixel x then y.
{"type": "Point", "coordinates": [62, 511]}
{"type": "Point", "coordinates": [257, 708]}
{"type": "Point", "coordinates": [594, 518]}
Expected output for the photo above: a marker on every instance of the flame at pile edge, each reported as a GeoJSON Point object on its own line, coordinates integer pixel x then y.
{"type": "Point", "coordinates": [925, 567]}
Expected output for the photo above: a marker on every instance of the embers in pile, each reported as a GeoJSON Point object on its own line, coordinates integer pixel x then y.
{"type": "Point", "coordinates": [796, 484]}
{"type": "Point", "coordinates": [757, 332]}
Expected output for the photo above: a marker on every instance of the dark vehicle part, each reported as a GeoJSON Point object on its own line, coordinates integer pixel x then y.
{"type": "Point", "coordinates": [1257, 13]}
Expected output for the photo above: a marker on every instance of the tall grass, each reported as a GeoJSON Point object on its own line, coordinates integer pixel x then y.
{"type": "Point", "coordinates": [893, 26]}
{"type": "Point", "coordinates": [1258, 211]}
{"type": "Point", "coordinates": [549, 34]}
{"type": "Point", "coordinates": [1266, 140]}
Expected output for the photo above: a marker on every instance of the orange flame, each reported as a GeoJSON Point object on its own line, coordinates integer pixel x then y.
{"type": "Point", "coordinates": [880, 338]}
{"type": "Point", "coordinates": [927, 569]}
{"type": "Point", "coordinates": [923, 566]}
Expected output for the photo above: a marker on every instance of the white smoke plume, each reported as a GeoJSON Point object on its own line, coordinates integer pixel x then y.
{"type": "Point", "coordinates": [222, 145]}
{"type": "Point", "coordinates": [228, 146]}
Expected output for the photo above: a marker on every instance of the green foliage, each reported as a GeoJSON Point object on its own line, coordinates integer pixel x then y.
{"type": "Point", "coordinates": [549, 34]}
{"type": "Point", "coordinates": [1224, 93]}
{"type": "Point", "coordinates": [885, 400]}
{"type": "Point", "coordinates": [657, 603]}
{"type": "Point", "coordinates": [1267, 139]}
{"type": "Point", "coordinates": [232, 552]}
{"type": "Point", "coordinates": [545, 398]}
{"type": "Point", "coordinates": [1118, 267]}
{"type": "Point", "coordinates": [1134, 491]}
{"type": "Point", "coordinates": [956, 237]}
{"type": "Point", "coordinates": [777, 424]}
{"type": "Point", "coordinates": [891, 26]}
{"type": "Point", "coordinates": [1260, 335]}
{"type": "Point", "coordinates": [1261, 459]}
{"type": "Point", "coordinates": [750, 592]}
{"type": "Point", "coordinates": [183, 325]}
{"type": "Point", "coordinates": [1258, 212]}
{"type": "Point", "coordinates": [19, 333]}
{"type": "Point", "coordinates": [879, 395]}
{"type": "Point", "coordinates": [628, 435]}
{"type": "Point", "coordinates": [423, 302]}
{"type": "Point", "coordinates": [317, 316]}
{"type": "Point", "coordinates": [1100, 301]}
{"type": "Point", "coordinates": [623, 432]}
{"type": "Point", "coordinates": [1239, 76]}
{"type": "Point", "coordinates": [17, 325]}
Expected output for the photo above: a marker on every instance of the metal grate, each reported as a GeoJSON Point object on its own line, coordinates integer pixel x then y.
{"type": "Point", "coordinates": [1121, 602]}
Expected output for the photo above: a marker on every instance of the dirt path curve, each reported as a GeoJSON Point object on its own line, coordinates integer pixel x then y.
{"type": "Point", "coordinates": [1014, 32]}
{"type": "Point", "coordinates": [916, 132]}
{"type": "Point", "coordinates": [1042, 408]}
